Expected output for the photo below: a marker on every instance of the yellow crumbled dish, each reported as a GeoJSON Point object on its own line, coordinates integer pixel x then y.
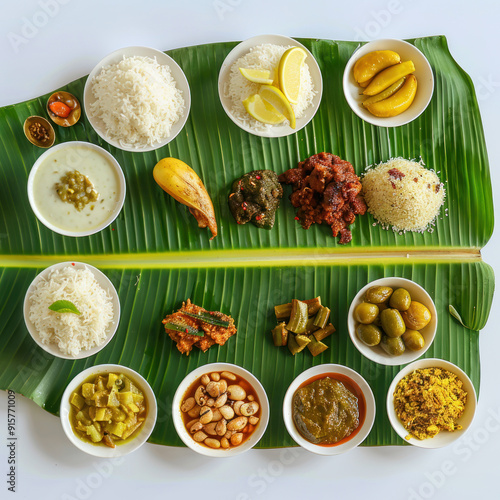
{"type": "Point", "coordinates": [403, 194]}
{"type": "Point", "coordinates": [428, 401]}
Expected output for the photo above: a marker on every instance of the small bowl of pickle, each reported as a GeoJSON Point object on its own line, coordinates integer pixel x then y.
{"type": "Point", "coordinates": [392, 321]}
{"type": "Point", "coordinates": [64, 108]}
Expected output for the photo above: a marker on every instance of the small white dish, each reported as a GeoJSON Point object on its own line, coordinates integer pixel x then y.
{"type": "Point", "coordinates": [187, 437]}
{"type": "Point", "coordinates": [162, 59]}
{"type": "Point", "coordinates": [121, 196]}
{"type": "Point", "coordinates": [423, 73]}
{"type": "Point", "coordinates": [360, 434]}
{"type": "Point", "coordinates": [376, 353]}
{"type": "Point", "coordinates": [120, 449]}
{"type": "Point", "coordinates": [243, 48]}
{"type": "Point", "coordinates": [443, 438]}
{"type": "Point", "coordinates": [103, 281]}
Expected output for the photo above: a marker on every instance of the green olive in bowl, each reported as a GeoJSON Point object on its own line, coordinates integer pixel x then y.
{"type": "Point", "coordinates": [370, 335]}
{"type": "Point", "coordinates": [392, 352]}
{"type": "Point", "coordinates": [378, 294]}
{"type": "Point", "coordinates": [393, 346]}
{"type": "Point", "coordinates": [413, 340]}
{"type": "Point", "coordinates": [392, 322]}
{"type": "Point", "coordinates": [400, 299]}
{"type": "Point", "coordinates": [417, 316]}
{"type": "Point", "coordinates": [366, 313]}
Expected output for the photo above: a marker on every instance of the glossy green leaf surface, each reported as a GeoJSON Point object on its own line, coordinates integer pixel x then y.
{"type": "Point", "coordinates": [248, 294]}
{"type": "Point", "coordinates": [448, 136]}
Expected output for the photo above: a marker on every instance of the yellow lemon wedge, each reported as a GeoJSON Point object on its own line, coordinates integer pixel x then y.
{"type": "Point", "coordinates": [262, 76]}
{"type": "Point", "coordinates": [289, 72]}
{"type": "Point", "coordinates": [262, 111]}
{"type": "Point", "coordinates": [277, 99]}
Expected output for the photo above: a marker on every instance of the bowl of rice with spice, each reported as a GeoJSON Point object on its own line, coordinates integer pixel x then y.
{"type": "Point", "coordinates": [403, 195]}
{"type": "Point", "coordinates": [137, 99]}
{"type": "Point", "coordinates": [264, 53]}
{"type": "Point", "coordinates": [71, 310]}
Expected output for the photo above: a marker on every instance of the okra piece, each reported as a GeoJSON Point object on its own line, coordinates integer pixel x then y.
{"type": "Point", "coordinates": [322, 316]}
{"type": "Point", "coordinates": [313, 305]}
{"type": "Point", "coordinates": [293, 344]}
{"type": "Point", "coordinates": [280, 335]}
{"type": "Point", "coordinates": [302, 340]}
{"type": "Point", "coordinates": [319, 335]}
{"type": "Point", "coordinates": [284, 311]}
{"type": "Point", "coordinates": [316, 347]}
{"type": "Point", "coordinates": [310, 328]}
{"type": "Point", "coordinates": [298, 317]}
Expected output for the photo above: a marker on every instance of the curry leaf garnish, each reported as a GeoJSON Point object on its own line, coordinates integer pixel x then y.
{"type": "Point", "coordinates": [457, 316]}
{"type": "Point", "coordinates": [64, 306]}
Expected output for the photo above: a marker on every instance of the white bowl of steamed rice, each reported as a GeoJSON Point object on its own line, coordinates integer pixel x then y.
{"type": "Point", "coordinates": [84, 310]}
{"type": "Point", "coordinates": [264, 52]}
{"type": "Point", "coordinates": [137, 99]}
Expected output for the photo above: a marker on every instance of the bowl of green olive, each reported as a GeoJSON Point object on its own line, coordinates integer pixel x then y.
{"type": "Point", "coordinates": [392, 321]}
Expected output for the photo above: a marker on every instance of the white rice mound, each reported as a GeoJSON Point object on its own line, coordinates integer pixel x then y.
{"type": "Point", "coordinates": [409, 203]}
{"type": "Point", "coordinates": [267, 57]}
{"type": "Point", "coordinates": [137, 101]}
{"type": "Point", "coordinates": [71, 332]}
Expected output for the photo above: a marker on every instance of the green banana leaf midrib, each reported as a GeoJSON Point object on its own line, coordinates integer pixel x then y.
{"type": "Point", "coordinates": [248, 258]}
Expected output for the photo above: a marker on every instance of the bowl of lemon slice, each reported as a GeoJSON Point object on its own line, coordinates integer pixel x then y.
{"type": "Point", "coordinates": [270, 86]}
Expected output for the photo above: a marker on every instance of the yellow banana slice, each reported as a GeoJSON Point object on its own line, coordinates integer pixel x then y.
{"type": "Point", "coordinates": [389, 76]}
{"type": "Point", "coordinates": [365, 84]}
{"type": "Point", "coordinates": [369, 65]}
{"type": "Point", "coordinates": [181, 182]}
{"type": "Point", "coordinates": [398, 102]}
{"type": "Point", "coordinates": [385, 94]}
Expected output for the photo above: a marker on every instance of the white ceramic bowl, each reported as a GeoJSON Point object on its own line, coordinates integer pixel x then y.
{"type": "Point", "coordinates": [102, 450]}
{"type": "Point", "coordinates": [242, 49]}
{"type": "Point", "coordinates": [103, 282]}
{"type": "Point", "coordinates": [342, 446]}
{"type": "Point", "coordinates": [423, 73]}
{"type": "Point", "coordinates": [376, 353]}
{"type": "Point", "coordinates": [444, 438]}
{"type": "Point", "coordinates": [105, 223]}
{"type": "Point", "coordinates": [187, 437]}
{"type": "Point", "coordinates": [162, 59]}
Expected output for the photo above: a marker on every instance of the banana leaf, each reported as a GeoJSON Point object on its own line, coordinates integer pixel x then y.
{"type": "Point", "coordinates": [156, 256]}
{"type": "Point", "coordinates": [448, 136]}
{"type": "Point", "coordinates": [248, 293]}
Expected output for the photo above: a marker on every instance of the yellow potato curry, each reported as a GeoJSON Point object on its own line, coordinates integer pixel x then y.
{"type": "Point", "coordinates": [107, 409]}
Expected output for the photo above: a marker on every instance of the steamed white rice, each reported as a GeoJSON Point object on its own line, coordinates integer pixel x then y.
{"type": "Point", "coordinates": [137, 101]}
{"type": "Point", "coordinates": [267, 57]}
{"type": "Point", "coordinates": [71, 332]}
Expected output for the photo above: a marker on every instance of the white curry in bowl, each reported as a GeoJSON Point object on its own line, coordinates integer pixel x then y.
{"type": "Point", "coordinates": [76, 189]}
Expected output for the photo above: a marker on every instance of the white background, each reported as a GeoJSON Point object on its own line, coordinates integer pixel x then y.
{"type": "Point", "coordinates": [66, 45]}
